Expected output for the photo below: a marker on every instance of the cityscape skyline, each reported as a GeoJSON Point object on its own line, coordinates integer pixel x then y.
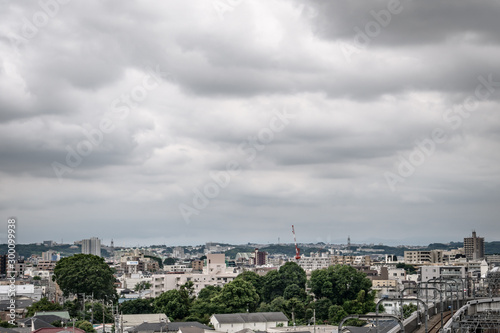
{"type": "Point", "coordinates": [187, 122]}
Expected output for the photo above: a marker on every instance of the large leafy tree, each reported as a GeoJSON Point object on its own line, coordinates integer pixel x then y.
{"type": "Point", "coordinates": [254, 278]}
{"type": "Point", "coordinates": [137, 306]}
{"type": "Point", "coordinates": [204, 305]}
{"type": "Point", "coordinates": [175, 303]}
{"type": "Point", "coordinates": [85, 273]}
{"type": "Point", "coordinates": [339, 283]}
{"type": "Point", "coordinates": [272, 286]}
{"type": "Point", "coordinates": [238, 296]}
{"type": "Point", "coordinates": [275, 283]}
{"type": "Point", "coordinates": [291, 273]}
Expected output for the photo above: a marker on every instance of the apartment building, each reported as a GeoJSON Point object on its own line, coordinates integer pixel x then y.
{"type": "Point", "coordinates": [423, 257]}
{"type": "Point", "coordinates": [474, 247]}
{"type": "Point", "coordinates": [215, 273]}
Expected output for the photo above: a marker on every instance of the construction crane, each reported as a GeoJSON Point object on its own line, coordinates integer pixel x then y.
{"type": "Point", "coordinates": [297, 250]}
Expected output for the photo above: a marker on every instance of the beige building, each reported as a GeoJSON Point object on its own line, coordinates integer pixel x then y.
{"type": "Point", "coordinates": [423, 257]}
{"type": "Point", "coordinates": [214, 274]}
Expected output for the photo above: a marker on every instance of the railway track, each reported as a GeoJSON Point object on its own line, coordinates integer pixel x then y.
{"type": "Point", "coordinates": [437, 326]}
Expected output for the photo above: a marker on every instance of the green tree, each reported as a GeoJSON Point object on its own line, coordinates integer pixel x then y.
{"type": "Point", "coordinates": [36, 278]}
{"type": "Point", "coordinates": [143, 285]}
{"type": "Point", "coordinates": [238, 296]}
{"type": "Point", "coordinates": [408, 309]}
{"type": "Point", "coordinates": [97, 309]}
{"type": "Point", "coordinates": [6, 324]}
{"type": "Point", "coordinates": [169, 261]}
{"type": "Point", "coordinates": [336, 313]}
{"type": "Point", "coordinates": [42, 305]}
{"type": "Point", "coordinates": [272, 286]}
{"type": "Point", "coordinates": [339, 283]}
{"type": "Point", "coordinates": [73, 308]}
{"type": "Point", "coordinates": [85, 273]}
{"type": "Point", "coordinates": [84, 325]}
{"type": "Point", "coordinates": [291, 273]}
{"type": "Point", "coordinates": [298, 309]}
{"type": "Point", "coordinates": [410, 269]}
{"type": "Point", "coordinates": [175, 303]}
{"type": "Point", "coordinates": [172, 304]}
{"type": "Point", "coordinates": [294, 291]}
{"type": "Point", "coordinates": [254, 278]}
{"type": "Point", "coordinates": [363, 303]}
{"type": "Point", "coordinates": [274, 283]}
{"type": "Point", "coordinates": [322, 307]}
{"type": "Point", "coordinates": [204, 306]}
{"type": "Point", "coordinates": [137, 306]}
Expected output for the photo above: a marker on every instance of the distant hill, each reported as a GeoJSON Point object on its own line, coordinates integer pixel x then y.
{"type": "Point", "coordinates": [26, 250]}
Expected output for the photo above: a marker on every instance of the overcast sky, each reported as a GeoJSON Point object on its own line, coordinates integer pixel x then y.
{"type": "Point", "coordinates": [182, 122]}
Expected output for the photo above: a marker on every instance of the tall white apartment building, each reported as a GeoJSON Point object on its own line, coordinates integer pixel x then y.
{"type": "Point", "coordinates": [91, 246]}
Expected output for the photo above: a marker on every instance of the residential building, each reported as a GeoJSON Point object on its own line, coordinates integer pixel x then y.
{"type": "Point", "coordinates": [474, 247]}
{"type": "Point", "coordinates": [423, 257]}
{"type": "Point", "coordinates": [178, 252]}
{"type": "Point", "coordinates": [434, 272]}
{"type": "Point", "coordinates": [351, 260]}
{"type": "Point", "coordinates": [51, 255]}
{"type": "Point", "coordinates": [215, 273]}
{"type": "Point", "coordinates": [197, 265]}
{"type": "Point", "coordinates": [46, 265]}
{"type": "Point", "coordinates": [259, 258]}
{"type": "Point", "coordinates": [91, 246]}
{"type": "Point", "coordinates": [130, 321]}
{"type": "Point", "coordinates": [260, 321]}
{"type": "Point", "coordinates": [314, 263]}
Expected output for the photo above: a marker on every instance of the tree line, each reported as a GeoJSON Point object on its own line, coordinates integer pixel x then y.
{"type": "Point", "coordinates": [331, 293]}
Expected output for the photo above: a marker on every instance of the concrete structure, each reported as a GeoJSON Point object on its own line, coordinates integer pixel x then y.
{"type": "Point", "coordinates": [132, 320]}
{"type": "Point", "coordinates": [197, 265]}
{"type": "Point", "coordinates": [25, 290]}
{"type": "Point", "coordinates": [91, 246]}
{"type": "Point", "coordinates": [474, 247]}
{"type": "Point", "coordinates": [259, 321]}
{"type": "Point", "coordinates": [431, 272]}
{"type": "Point", "coordinates": [314, 263]}
{"type": "Point", "coordinates": [259, 258]}
{"type": "Point", "coordinates": [214, 274]}
{"type": "Point", "coordinates": [423, 257]}
{"type": "Point", "coordinates": [51, 255]}
{"type": "Point", "coordinates": [178, 252]}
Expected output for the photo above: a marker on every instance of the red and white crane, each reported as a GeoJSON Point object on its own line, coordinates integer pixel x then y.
{"type": "Point", "coordinates": [297, 250]}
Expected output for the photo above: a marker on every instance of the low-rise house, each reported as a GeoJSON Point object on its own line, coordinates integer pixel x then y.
{"type": "Point", "coordinates": [260, 321]}
{"type": "Point", "coordinates": [132, 320]}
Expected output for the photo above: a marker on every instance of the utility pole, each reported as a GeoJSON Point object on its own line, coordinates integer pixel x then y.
{"type": "Point", "coordinates": [92, 314]}
{"type": "Point", "coordinates": [314, 320]}
{"type": "Point", "coordinates": [103, 325]}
